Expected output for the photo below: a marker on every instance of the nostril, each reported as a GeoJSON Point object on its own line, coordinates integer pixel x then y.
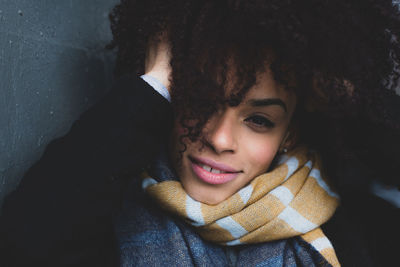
{"type": "Point", "coordinates": [219, 132]}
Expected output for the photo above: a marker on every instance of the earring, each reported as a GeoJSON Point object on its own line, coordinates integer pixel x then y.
{"type": "Point", "coordinates": [283, 150]}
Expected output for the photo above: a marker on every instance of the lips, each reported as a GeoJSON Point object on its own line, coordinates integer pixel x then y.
{"type": "Point", "coordinates": [212, 172]}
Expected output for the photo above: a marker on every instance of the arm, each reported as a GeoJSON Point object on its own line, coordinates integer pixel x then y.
{"type": "Point", "coordinates": [61, 213]}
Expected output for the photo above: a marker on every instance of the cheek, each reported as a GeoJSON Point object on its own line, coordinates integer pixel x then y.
{"type": "Point", "coordinates": [178, 129]}
{"type": "Point", "coordinates": [176, 146]}
{"type": "Point", "coordinates": [177, 132]}
{"type": "Point", "coordinates": [260, 153]}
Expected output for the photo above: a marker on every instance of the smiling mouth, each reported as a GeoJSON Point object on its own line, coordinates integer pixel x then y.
{"type": "Point", "coordinates": [209, 169]}
{"type": "Point", "coordinates": [212, 174]}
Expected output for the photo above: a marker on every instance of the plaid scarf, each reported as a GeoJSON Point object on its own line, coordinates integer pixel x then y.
{"type": "Point", "coordinates": [291, 200]}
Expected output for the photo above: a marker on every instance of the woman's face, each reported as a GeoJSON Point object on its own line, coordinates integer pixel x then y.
{"type": "Point", "coordinates": [240, 143]}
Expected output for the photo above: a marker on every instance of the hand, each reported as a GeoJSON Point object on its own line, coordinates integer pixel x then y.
{"type": "Point", "coordinates": [157, 63]}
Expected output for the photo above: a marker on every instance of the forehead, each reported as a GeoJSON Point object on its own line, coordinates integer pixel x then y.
{"type": "Point", "coordinates": [266, 87]}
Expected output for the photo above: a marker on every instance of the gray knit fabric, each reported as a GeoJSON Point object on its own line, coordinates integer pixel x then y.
{"type": "Point", "coordinates": [147, 236]}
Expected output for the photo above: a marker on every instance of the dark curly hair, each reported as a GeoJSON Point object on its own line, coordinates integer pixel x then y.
{"type": "Point", "coordinates": [340, 57]}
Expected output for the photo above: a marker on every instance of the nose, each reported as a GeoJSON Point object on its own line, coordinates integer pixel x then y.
{"type": "Point", "coordinates": [220, 132]}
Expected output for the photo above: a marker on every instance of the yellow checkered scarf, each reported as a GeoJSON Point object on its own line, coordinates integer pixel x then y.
{"type": "Point", "coordinates": [291, 200]}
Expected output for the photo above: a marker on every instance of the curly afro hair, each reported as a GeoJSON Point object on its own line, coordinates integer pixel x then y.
{"type": "Point", "coordinates": [340, 58]}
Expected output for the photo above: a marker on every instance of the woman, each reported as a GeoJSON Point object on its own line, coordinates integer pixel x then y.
{"type": "Point", "coordinates": [262, 92]}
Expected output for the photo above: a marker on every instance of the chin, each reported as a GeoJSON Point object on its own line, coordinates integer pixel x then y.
{"type": "Point", "coordinates": [206, 193]}
{"type": "Point", "coordinates": [209, 200]}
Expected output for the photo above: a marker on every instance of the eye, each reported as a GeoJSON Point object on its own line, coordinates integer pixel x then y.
{"type": "Point", "coordinates": [259, 121]}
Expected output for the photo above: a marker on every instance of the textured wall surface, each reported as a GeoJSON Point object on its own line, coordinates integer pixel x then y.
{"type": "Point", "coordinates": [53, 66]}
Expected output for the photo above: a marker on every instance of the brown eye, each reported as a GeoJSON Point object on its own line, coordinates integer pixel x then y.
{"type": "Point", "coordinates": [260, 121]}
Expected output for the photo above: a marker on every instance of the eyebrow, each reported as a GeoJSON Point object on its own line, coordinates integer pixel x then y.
{"type": "Point", "coordinates": [267, 102]}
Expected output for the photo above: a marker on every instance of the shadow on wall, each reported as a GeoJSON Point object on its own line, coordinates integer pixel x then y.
{"type": "Point", "coordinates": [53, 66]}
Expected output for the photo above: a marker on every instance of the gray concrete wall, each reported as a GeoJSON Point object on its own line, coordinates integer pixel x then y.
{"type": "Point", "coordinates": [53, 66]}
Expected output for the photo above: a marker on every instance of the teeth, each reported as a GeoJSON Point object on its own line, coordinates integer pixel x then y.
{"type": "Point", "coordinates": [216, 171]}
{"type": "Point", "coordinates": [209, 169]}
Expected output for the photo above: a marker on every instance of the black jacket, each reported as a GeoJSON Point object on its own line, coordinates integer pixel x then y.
{"type": "Point", "coordinates": [61, 213]}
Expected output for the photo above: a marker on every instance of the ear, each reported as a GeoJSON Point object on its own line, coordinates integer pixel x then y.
{"type": "Point", "coordinates": [290, 140]}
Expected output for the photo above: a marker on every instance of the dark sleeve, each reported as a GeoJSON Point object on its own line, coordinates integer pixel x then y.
{"type": "Point", "coordinates": [61, 213]}
{"type": "Point", "coordinates": [365, 231]}
{"type": "Point", "coordinates": [348, 239]}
